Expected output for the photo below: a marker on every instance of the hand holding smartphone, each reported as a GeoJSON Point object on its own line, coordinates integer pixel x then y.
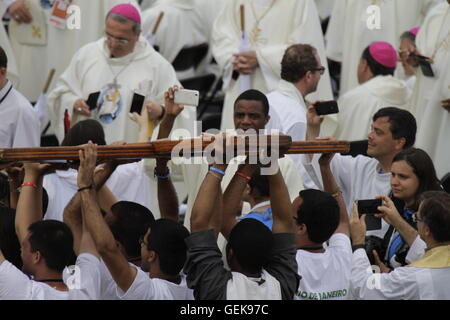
{"type": "Point", "coordinates": [369, 207]}
{"type": "Point", "coordinates": [187, 97]}
{"type": "Point", "coordinates": [326, 107]}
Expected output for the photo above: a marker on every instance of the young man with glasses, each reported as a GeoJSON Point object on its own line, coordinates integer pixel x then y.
{"type": "Point", "coordinates": [301, 71]}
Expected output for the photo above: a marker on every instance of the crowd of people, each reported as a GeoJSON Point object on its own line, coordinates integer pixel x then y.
{"type": "Point", "coordinates": [174, 229]}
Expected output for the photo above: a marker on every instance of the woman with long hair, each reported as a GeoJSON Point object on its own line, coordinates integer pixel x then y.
{"type": "Point", "coordinates": [413, 173]}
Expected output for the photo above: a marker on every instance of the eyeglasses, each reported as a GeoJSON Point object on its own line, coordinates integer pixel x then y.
{"type": "Point", "coordinates": [320, 69]}
{"type": "Point", "coordinates": [119, 40]}
{"type": "Point", "coordinates": [416, 218]}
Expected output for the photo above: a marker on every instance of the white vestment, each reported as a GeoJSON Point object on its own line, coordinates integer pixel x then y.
{"type": "Point", "coordinates": [354, 24]}
{"type": "Point", "coordinates": [269, 37]}
{"type": "Point", "coordinates": [40, 47]}
{"type": "Point", "coordinates": [13, 72]}
{"type": "Point", "coordinates": [143, 71]}
{"type": "Point", "coordinates": [128, 183]}
{"type": "Point", "coordinates": [182, 25]}
{"type": "Point", "coordinates": [403, 283]}
{"type": "Point", "coordinates": [19, 121]}
{"type": "Point", "coordinates": [357, 106]}
{"type": "Point", "coordinates": [434, 121]}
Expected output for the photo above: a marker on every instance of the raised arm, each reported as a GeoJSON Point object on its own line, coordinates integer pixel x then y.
{"type": "Point", "coordinates": [122, 273]}
{"type": "Point", "coordinates": [232, 198]}
{"type": "Point", "coordinates": [172, 111]}
{"type": "Point", "coordinates": [282, 210]}
{"type": "Point", "coordinates": [72, 212]}
{"type": "Point", "coordinates": [330, 186]}
{"type": "Point", "coordinates": [167, 195]}
{"type": "Point", "coordinates": [29, 206]}
{"type": "Point", "coordinates": [391, 216]}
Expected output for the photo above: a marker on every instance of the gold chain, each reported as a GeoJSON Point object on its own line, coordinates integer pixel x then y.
{"type": "Point", "coordinates": [256, 30]}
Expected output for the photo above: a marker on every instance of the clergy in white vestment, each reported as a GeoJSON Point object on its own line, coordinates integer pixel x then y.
{"type": "Point", "coordinates": [434, 128]}
{"type": "Point", "coordinates": [119, 68]}
{"type": "Point", "coordinates": [407, 44]}
{"type": "Point", "coordinates": [378, 88]}
{"type": "Point", "coordinates": [19, 121]}
{"type": "Point", "coordinates": [355, 24]}
{"type": "Point", "coordinates": [13, 71]}
{"type": "Point", "coordinates": [182, 25]}
{"type": "Point", "coordinates": [301, 70]}
{"type": "Point", "coordinates": [270, 27]}
{"type": "Point", "coordinates": [50, 40]}
{"type": "Point", "coordinates": [424, 279]}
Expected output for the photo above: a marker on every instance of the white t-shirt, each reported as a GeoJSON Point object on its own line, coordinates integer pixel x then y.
{"type": "Point", "coordinates": [15, 285]}
{"type": "Point", "coordinates": [128, 183]}
{"type": "Point", "coordinates": [145, 288]}
{"type": "Point", "coordinates": [326, 276]}
{"type": "Point", "coordinates": [359, 178]}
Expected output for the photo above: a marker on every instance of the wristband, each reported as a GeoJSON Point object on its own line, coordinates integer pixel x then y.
{"type": "Point", "coordinates": [240, 174]}
{"type": "Point", "coordinates": [217, 170]}
{"type": "Point", "coordinates": [164, 176]}
{"type": "Point", "coordinates": [215, 175]}
{"type": "Point", "coordinates": [358, 246]}
{"type": "Point", "coordinates": [28, 184]}
{"type": "Point", "coordinates": [85, 188]}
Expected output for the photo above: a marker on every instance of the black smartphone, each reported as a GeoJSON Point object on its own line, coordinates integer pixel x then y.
{"type": "Point", "coordinates": [425, 65]}
{"type": "Point", "coordinates": [370, 207]}
{"type": "Point", "coordinates": [357, 148]}
{"type": "Point", "coordinates": [92, 100]}
{"type": "Point", "coordinates": [137, 103]}
{"type": "Point", "coordinates": [326, 107]}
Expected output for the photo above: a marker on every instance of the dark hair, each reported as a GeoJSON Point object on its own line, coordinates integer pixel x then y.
{"type": "Point", "coordinates": [84, 131]}
{"type": "Point", "coordinates": [255, 95]}
{"type": "Point", "coordinates": [121, 19]}
{"type": "Point", "coordinates": [260, 183]}
{"type": "Point", "coordinates": [166, 238]}
{"type": "Point", "coordinates": [4, 186]}
{"type": "Point", "coordinates": [319, 211]}
{"type": "Point", "coordinates": [3, 58]}
{"type": "Point", "coordinates": [435, 212]}
{"type": "Point", "coordinates": [408, 35]}
{"type": "Point", "coordinates": [54, 240]}
{"type": "Point", "coordinates": [376, 68]}
{"type": "Point", "coordinates": [402, 124]}
{"type": "Point", "coordinates": [423, 168]}
{"type": "Point", "coordinates": [252, 243]}
{"type": "Point", "coordinates": [131, 221]}
{"type": "Point", "coordinates": [9, 243]}
{"type": "Point", "coordinates": [297, 60]}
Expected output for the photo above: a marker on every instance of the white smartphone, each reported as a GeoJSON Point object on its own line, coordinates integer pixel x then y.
{"type": "Point", "coordinates": [187, 97]}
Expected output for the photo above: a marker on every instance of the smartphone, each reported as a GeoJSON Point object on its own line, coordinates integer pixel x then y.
{"type": "Point", "coordinates": [187, 97]}
{"type": "Point", "coordinates": [370, 207]}
{"type": "Point", "coordinates": [92, 100]}
{"type": "Point", "coordinates": [326, 107]}
{"type": "Point", "coordinates": [357, 148]}
{"type": "Point", "coordinates": [137, 103]}
{"type": "Point", "coordinates": [425, 65]}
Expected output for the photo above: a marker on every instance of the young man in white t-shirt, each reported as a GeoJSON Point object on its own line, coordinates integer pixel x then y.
{"type": "Point", "coordinates": [163, 250]}
{"type": "Point", "coordinates": [46, 252]}
{"type": "Point", "coordinates": [322, 217]}
{"type": "Point", "coordinates": [365, 177]}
